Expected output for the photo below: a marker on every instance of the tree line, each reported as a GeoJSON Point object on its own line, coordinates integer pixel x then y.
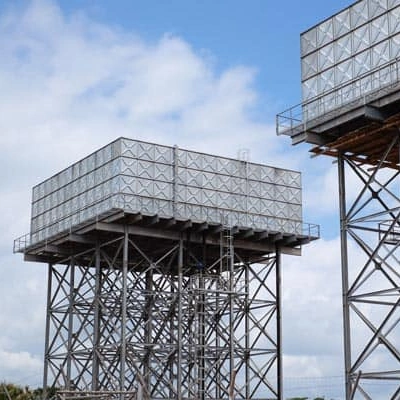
{"type": "Point", "coordinates": [10, 391]}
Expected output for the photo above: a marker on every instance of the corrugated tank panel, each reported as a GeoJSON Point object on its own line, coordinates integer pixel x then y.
{"type": "Point", "coordinates": [136, 176]}
{"type": "Point", "coordinates": [349, 55]}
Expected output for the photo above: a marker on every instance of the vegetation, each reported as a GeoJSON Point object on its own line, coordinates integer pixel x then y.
{"type": "Point", "coordinates": [10, 391]}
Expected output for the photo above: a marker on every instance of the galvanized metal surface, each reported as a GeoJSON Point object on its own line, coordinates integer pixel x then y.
{"type": "Point", "coordinates": [152, 179]}
{"type": "Point", "coordinates": [171, 320]}
{"type": "Point", "coordinates": [369, 89]}
{"type": "Point", "coordinates": [351, 83]}
{"type": "Point", "coordinates": [349, 55]}
{"type": "Point", "coordinates": [370, 249]}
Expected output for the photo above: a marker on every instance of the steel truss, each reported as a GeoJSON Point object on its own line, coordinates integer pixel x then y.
{"type": "Point", "coordinates": [370, 239]}
{"type": "Point", "coordinates": [167, 319]}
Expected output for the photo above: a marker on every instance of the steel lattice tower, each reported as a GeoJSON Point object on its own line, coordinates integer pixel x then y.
{"type": "Point", "coordinates": [350, 111]}
{"type": "Point", "coordinates": [172, 311]}
{"type": "Point", "coordinates": [369, 201]}
{"type": "Point", "coordinates": [176, 300]}
{"type": "Point", "coordinates": [370, 238]}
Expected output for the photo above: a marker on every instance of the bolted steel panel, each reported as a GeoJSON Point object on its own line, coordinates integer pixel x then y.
{"type": "Point", "coordinates": [395, 44]}
{"type": "Point", "coordinates": [254, 172]}
{"type": "Point", "coordinates": [253, 205]}
{"type": "Point", "coordinates": [310, 88]}
{"type": "Point", "coordinates": [394, 21]}
{"type": "Point", "coordinates": [326, 57]}
{"type": "Point", "coordinates": [380, 54]}
{"type": "Point", "coordinates": [359, 13]}
{"type": "Point", "coordinates": [170, 182]}
{"type": "Point", "coordinates": [267, 173]}
{"type": "Point", "coordinates": [362, 63]}
{"type": "Point", "coordinates": [376, 7]}
{"type": "Point", "coordinates": [379, 28]}
{"type": "Point", "coordinates": [309, 66]}
{"type": "Point", "coordinates": [129, 166]}
{"type": "Point", "coordinates": [340, 53]}
{"type": "Point", "coordinates": [344, 72]}
{"type": "Point", "coordinates": [267, 207]}
{"type": "Point", "coordinates": [239, 185]}
{"type": "Point", "coordinates": [309, 41]}
{"type": "Point", "coordinates": [267, 191]}
{"type": "Point", "coordinates": [341, 23]}
{"type": "Point", "coordinates": [343, 48]}
{"type": "Point", "coordinates": [327, 80]}
{"type": "Point", "coordinates": [255, 189]}
{"type": "Point", "coordinates": [325, 33]}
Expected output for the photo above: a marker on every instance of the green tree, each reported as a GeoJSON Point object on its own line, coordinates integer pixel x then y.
{"type": "Point", "coordinates": [10, 391]}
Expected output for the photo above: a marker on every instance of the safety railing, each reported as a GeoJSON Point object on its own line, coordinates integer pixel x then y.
{"type": "Point", "coordinates": [21, 243]}
{"type": "Point", "coordinates": [120, 202]}
{"type": "Point", "coordinates": [345, 97]}
{"type": "Point", "coordinates": [311, 230]}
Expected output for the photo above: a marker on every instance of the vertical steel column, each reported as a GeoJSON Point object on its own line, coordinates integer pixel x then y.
{"type": "Point", "coordinates": [172, 334]}
{"type": "Point", "coordinates": [148, 324]}
{"type": "Point", "coordinates": [47, 330]}
{"type": "Point", "coordinates": [345, 275]}
{"type": "Point", "coordinates": [278, 279]}
{"type": "Point", "coordinates": [218, 363]}
{"type": "Point", "coordinates": [231, 260]}
{"type": "Point", "coordinates": [201, 336]}
{"type": "Point", "coordinates": [247, 331]}
{"type": "Point", "coordinates": [70, 320]}
{"type": "Point", "coordinates": [180, 320]}
{"type": "Point", "coordinates": [96, 322]}
{"type": "Point", "coordinates": [124, 294]}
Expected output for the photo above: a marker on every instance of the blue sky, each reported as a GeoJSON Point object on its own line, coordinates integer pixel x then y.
{"type": "Point", "coordinates": [206, 75]}
{"type": "Point", "coordinates": [263, 34]}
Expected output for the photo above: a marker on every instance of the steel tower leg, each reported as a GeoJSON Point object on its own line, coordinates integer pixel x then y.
{"type": "Point", "coordinates": [180, 321]}
{"type": "Point", "coordinates": [96, 322]}
{"type": "Point", "coordinates": [47, 330]}
{"type": "Point", "coordinates": [175, 320]}
{"type": "Point", "coordinates": [370, 244]}
{"type": "Point", "coordinates": [345, 275]}
{"type": "Point", "coordinates": [124, 300]}
{"type": "Point", "coordinates": [279, 324]}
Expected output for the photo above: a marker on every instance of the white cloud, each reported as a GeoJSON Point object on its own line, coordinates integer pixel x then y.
{"type": "Point", "coordinates": [71, 85]}
{"type": "Point", "coordinates": [312, 321]}
{"type": "Point", "coordinates": [312, 302]}
{"type": "Point", "coordinates": [20, 368]}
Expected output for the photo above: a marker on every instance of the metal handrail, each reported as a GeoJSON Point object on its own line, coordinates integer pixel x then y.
{"type": "Point", "coordinates": [300, 227]}
{"type": "Point", "coordinates": [23, 242]}
{"type": "Point", "coordinates": [348, 94]}
{"type": "Point", "coordinates": [311, 230]}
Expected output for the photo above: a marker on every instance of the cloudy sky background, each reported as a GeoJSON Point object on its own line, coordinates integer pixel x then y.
{"type": "Point", "coordinates": [75, 75]}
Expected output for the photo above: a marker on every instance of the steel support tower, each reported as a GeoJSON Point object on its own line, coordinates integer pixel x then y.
{"type": "Point", "coordinates": [366, 144]}
{"type": "Point", "coordinates": [370, 240]}
{"type": "Point", "coordinates": [350, 111]}
{"type": "Point", "coordinates": [160, 309]}
{"type": "Point", "coordinates": [164, 273]}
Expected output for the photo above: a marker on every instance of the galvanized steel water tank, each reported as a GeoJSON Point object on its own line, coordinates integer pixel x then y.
{"type": "Point", "coordinates": [138, 177]}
